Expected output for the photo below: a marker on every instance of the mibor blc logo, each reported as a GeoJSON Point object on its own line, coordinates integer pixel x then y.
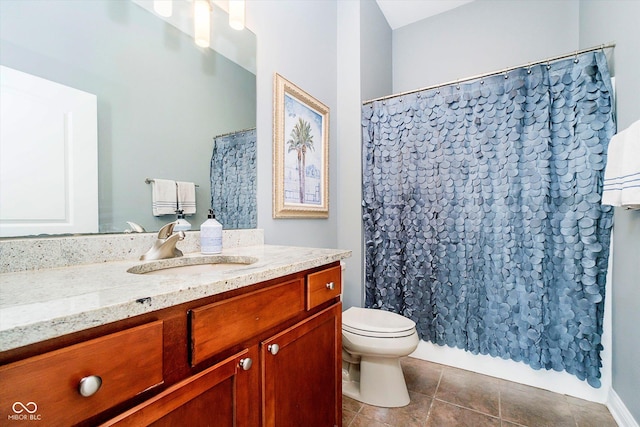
{"type": "Point", "coordinates": [24, 412]}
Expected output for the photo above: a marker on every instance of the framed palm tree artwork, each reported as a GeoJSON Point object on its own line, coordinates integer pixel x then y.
{"type": "Point", "coordinates": [300, 153]}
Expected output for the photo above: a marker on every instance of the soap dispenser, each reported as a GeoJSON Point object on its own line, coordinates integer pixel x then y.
{"type": "Point", "coordinates": [211, 235]}
{"type": "Point", "coordinates": [181, 223]}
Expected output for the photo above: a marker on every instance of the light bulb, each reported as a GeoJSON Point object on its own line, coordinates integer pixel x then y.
{"type": "Point", "coordinates": [202, 22]}
{"type": "Point", "coordinates": [236, 14]}
{"type": "Point", "coordinates": [163, 7]}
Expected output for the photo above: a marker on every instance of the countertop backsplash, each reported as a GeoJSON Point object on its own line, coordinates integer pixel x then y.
{"type": "Point", "coordinates": [22, 254]}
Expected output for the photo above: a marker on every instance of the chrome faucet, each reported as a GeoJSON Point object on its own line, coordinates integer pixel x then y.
{"type": "Point", "coordinates": [165, 245]}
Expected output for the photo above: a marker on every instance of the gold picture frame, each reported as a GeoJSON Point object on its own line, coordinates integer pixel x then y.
{"type": "Point", "coordinates": [300, 153]}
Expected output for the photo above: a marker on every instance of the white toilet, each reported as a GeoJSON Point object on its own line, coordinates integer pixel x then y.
{"type": "Point", "coordinates": [373, 341]}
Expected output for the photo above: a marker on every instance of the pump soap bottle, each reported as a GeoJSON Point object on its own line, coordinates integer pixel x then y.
{"type": "Point", "coordinates": [211, 235]}
{"type": "Point", "coordinates": [181, 223]}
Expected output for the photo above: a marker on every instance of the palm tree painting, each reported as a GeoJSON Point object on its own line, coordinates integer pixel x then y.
{"type": "Point", "coordinates": [303, 128]}
{"type": "Point", "coordinates": [301, 141]}
{"type": "Point", "coordinates": [300, 153]}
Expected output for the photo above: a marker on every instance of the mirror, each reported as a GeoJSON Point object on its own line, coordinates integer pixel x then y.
{"type": "Point", "coordinates": [161, 99]}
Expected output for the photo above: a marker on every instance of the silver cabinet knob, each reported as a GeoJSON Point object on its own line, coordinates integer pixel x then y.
{"type": "Point", "coordinates": [330, 286]}
{"type": "Point", "coordinates": [88, 386]}
{"type": "Point", "coordinates": [273, 349]}
{"type": "Point", "coordinates": [245, 363]}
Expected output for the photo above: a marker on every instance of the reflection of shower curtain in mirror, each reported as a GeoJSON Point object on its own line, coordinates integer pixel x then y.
{"type": "Point", "coordinates": [482, 212]}
{"type": "Point", "coordinates": [233, 179]}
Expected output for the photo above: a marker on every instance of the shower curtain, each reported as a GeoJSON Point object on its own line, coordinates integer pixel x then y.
{"type": "Point", "coordinates": [482, 215]}
{"type": "Point", "coordinates": [233, 179]}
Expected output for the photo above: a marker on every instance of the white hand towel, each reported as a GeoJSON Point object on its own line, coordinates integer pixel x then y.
{"type": "Point", "coordinates": [622, 173]}
{"type": "Point", "coordinates": [187, 197]}
{"type": "Point", "coordinates": [164, 197]}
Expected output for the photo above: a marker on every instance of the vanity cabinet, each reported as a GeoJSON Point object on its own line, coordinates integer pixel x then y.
{"type": "Point", "coordinates": [268, 354]}
{"type": "Point", "coordinates": [301, 373]}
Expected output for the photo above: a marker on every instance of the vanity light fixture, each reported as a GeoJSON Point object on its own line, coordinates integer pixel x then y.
{"type": "Point", "coordinates": [202, 17]}
{"type": "Point", "coordinates": [202, 22]}
{"type": "Point", "coordinates": [236, 14]}
{"type": "Point", "coordinates": [163, 7]}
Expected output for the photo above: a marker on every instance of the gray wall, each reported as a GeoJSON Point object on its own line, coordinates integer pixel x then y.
{"type": "Point", "coordinates": [496, 36]}
{"type": "Point", "coordinates": [316, 45]}
{"type": "Point", "coordinates": [364, 70]}
{"type": "Point", "coordinates": [161, 100]}
{"type": "Point", "coordinates": [349, 169]}
{"type": "Point", "coordinates": [482, 36]}
{"type": "Point", "coordinates": [618, 21]}
{"type": "Point", "coordinates": [376, 43]}
{"type": "Point", "coordinates": [296, 39]}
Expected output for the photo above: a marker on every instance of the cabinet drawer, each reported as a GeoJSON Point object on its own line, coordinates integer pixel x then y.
{"type": "Point", "coordinates": [46, 387]}
{"type": "Point", "coordinates": [323, 286]}
{"type": "Point", "coordinates": [220, 325]}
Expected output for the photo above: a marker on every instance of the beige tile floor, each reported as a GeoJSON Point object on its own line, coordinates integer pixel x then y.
{"type": "Point", "coordinates": [442, 396]}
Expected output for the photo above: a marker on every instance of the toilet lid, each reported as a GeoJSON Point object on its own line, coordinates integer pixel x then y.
{"type": "Point", "coordinates": [361, 320]}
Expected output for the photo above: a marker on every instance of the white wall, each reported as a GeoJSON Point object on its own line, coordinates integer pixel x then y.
{"type": "Point", "coordinates": [296, 39]}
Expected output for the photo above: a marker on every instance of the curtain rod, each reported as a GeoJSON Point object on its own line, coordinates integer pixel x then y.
{"type": "Point", "coordinates": [234, 132]}
{"type": "Point", "coordinates": [493, 73]}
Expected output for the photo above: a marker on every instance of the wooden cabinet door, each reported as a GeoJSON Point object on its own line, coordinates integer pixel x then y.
{"type": "Point", "coordinates": [301, 377]}
{"type": "Point", "coordinates": [218, 396]}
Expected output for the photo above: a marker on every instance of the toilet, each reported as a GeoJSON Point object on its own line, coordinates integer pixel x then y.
{"type": "Point", "coordinates": [373, 341]}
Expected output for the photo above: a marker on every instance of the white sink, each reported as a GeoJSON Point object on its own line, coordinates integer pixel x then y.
{"type": "Point", "coordinates": [193, 265]}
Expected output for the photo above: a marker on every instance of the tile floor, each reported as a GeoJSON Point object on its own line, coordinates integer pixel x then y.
{"type": "Point", "coordinates": [442, 396]}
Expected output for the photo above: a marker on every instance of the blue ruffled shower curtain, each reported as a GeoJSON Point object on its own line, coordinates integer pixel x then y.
{"type": "Point", "coordinates": [234, 179]}
{"type": "Point", "coordinates": [482, 215]}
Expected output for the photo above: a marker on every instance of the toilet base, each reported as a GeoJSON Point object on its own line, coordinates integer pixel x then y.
{"type": "Point", "coordinates": [376, 381]}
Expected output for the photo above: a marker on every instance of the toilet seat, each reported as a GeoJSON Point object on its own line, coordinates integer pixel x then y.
{"type": "Point", "coordinates": [376, 323]}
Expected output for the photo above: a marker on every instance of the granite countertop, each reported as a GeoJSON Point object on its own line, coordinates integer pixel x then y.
{"type": "Point", "coordinates": [41, 304]}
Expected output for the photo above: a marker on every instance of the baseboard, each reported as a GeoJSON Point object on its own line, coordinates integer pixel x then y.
{"type": "Point", "coordinates": [619, 411]}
